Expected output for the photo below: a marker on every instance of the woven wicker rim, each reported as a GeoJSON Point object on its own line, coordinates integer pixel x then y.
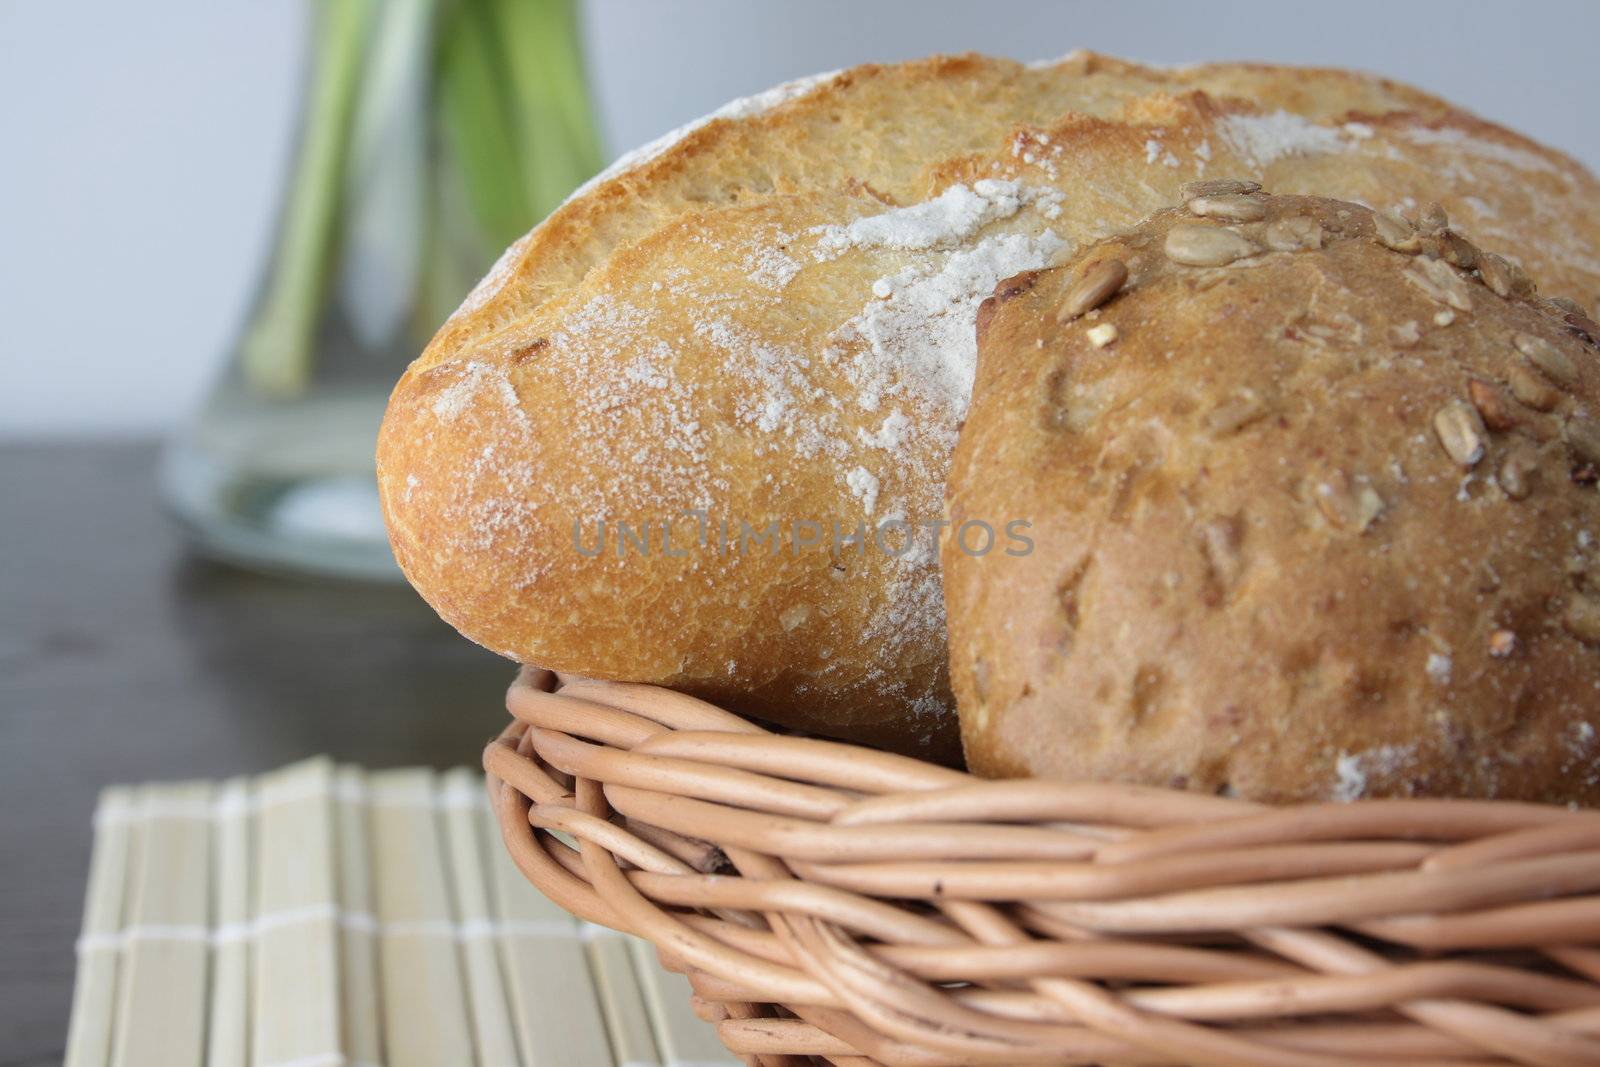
{"type": "Point", "coordinates": [831, 903]}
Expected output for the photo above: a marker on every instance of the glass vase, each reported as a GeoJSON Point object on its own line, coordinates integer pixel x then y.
{"type": "Point", "coordinates": [433, 134]}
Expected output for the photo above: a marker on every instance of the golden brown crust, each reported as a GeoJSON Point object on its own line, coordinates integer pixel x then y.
{"type": "Point", "coordinates": [1296, 537]}
{"type": "Point", "coordinates": [732, 415]}
{"type": "Point", "coordinates": [844, 129]}
{"type": "Point", "coordinates": [620, 362]}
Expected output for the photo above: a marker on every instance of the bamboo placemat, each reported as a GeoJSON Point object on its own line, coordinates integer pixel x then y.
{"type": "Point", "coordinates": [326, 916]}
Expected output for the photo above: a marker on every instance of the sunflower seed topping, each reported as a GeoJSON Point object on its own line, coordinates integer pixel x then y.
{"type": "Point", "coordinates": [1436, 278]}
{"type": "Point", "coordinates": [1582, 619]}
{"type": "Point", "coordinates": [1243, 408]}
{"type": "Point", "coordinates": [1548, 358]}
{"type": "Point", "coordinates": [1405, 334]}
{"type": "Point", "coordinates": [1521, 285]}
{"type": "Point", "coordinates": [1395, 232]}
{"type": "Point", "coordinates": [1434, 219]}
{"type": "Point", "coordinates": [1583, 437]}
{"type": "Point", "coordinates": [1099, 282]}
{"type": "Point", "coordinates": [1195, 245]}
{"type": "Point", "coordinates": [1569, 305]}
{"type": "Point", "coordinates": [1294, 234]}
{"type": "Point", "coordinates": [1219, 187]}
{"type": "Point", "coordinates": [1461, 432]}
{"type": "Point", "coordinates": [1493, 407]}
{"type": "Point", "coordinates": [1495, 272]}
{"type": "Point", "coordinates": [1219, 543]}
{"type": "Point", "coordinates": [1531, 389]}
{"type": "Point", "coordinates": [1348, 505]}
{"type": "Point", "coordinates": [1583, 326]}
{"type": "Point", "coordinates": [1519, 471]}
{"type": "Point", "coordinates": [1233, 207]}
{"type": "Point", "coordinates": [1457, 250]}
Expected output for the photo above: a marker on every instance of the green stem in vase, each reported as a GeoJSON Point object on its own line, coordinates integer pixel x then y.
{"type": "Point", "coordinates": [385, 197]}
{"type": "Point", "coordinates": [455, 241]}
{"type": "Point", "coordinates": [435, 133]}
{"type": "Point", "coordinates": [543, 57]}
{"type": "Point", "coordinates": [480, 126]}
{"type": "Point", "coordinates": [276, 351]}
{"type": "Point", "coordinates": [516, 134]}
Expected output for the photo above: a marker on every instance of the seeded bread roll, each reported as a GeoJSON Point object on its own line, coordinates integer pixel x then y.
{"type": "Point", "coordinates": [1313, 511]}
{"type": "Point", "coordinates": [769, 319]}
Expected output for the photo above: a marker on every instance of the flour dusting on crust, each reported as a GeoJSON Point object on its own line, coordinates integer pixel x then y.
{"type": "Point", "coordinates": [920, 333]}
{"type": "Point", "coordinates": [918, 329]}
{"type": "Point", "coordinates": [1265, 139]}
{"type": "Point", "coordinates": [1354, 771]}
{"type": "Point", "coordinates": [947, 220]}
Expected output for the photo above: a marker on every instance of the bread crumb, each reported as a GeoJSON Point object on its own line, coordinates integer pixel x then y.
{"type": "Point", "coordinates": [1102, 335]}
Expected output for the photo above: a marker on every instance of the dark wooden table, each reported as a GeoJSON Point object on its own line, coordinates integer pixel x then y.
{"type": "Point", "coordinates": [123, 658]}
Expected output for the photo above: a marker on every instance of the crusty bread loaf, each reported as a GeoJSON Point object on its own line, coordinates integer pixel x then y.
{"type": "Point", "coordinates": [769, 319]}
{"type": "Point", "coordinates": [1311, 523]}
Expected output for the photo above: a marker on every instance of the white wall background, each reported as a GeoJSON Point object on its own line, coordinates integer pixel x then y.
{"type": "Point", "coordinates": [141, 144]}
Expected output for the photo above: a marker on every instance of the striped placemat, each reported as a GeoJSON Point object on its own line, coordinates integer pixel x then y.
{"type": "Point", "coordinates": [326, 916]}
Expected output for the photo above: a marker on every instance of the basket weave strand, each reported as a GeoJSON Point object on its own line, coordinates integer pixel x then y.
{"type": "Point", "coordinates": [834, 904]}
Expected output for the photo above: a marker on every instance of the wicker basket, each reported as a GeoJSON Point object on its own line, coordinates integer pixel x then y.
{"type": "Point", "coordinates": [835, 904]}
